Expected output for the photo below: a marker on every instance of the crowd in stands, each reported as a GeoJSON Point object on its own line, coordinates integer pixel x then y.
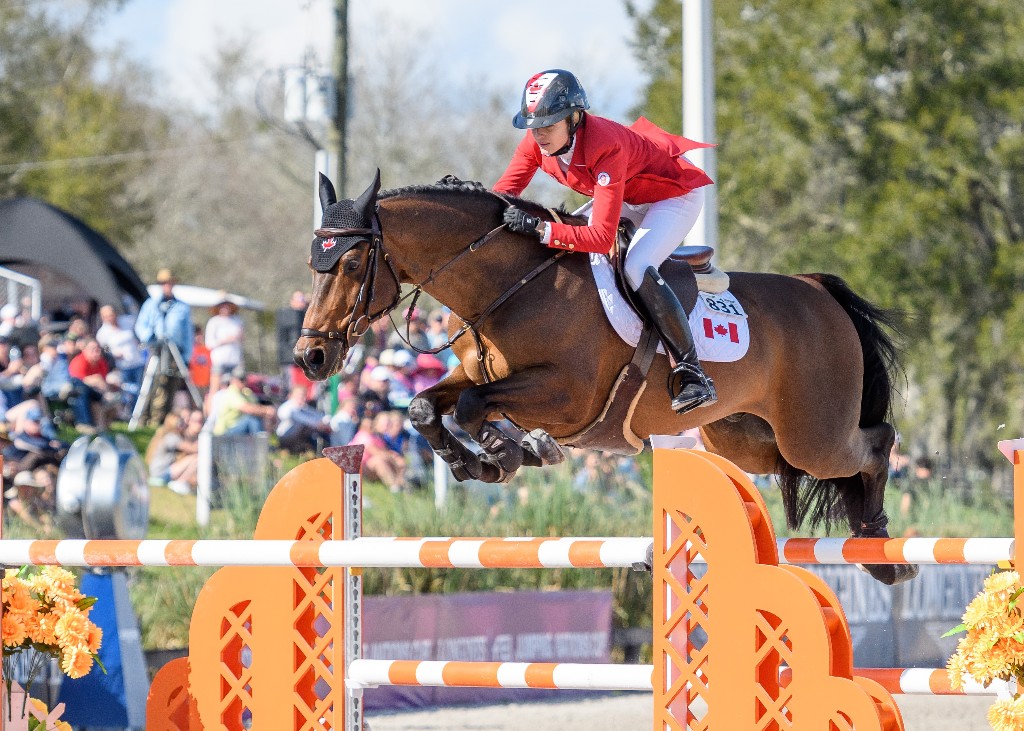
{"type": "Point", "coordinates": [80, 370]}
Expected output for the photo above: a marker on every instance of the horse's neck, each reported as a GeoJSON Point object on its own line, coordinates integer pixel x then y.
{"type": "Point", "coordinates": [431, 248]}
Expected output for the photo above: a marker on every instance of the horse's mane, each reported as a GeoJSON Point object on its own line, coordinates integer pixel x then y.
{"type": "Point", "coordinates": [472, 190]}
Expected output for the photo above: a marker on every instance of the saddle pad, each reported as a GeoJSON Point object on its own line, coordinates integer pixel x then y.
{"type": "Point", "coordinates": [718, 322]}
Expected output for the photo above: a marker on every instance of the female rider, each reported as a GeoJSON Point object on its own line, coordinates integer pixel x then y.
{"type": "Point", "coordinates": [638, 171]}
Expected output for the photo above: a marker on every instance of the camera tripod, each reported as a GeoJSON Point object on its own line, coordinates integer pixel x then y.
{"type": "Point", "coordinates": [160, 362]}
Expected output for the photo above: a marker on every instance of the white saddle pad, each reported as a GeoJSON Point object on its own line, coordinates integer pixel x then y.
{"type": "Point", "coordinates": [718, 322]}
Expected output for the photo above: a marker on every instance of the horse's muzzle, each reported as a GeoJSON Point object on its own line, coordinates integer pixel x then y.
{"type": "Point", "coordinates": [319, 359]}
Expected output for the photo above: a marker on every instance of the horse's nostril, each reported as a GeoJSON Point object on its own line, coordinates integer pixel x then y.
{"type": "Point", "coordinates": [315, 357]}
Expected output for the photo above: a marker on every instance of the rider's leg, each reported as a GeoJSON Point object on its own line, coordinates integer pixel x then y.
{"type": "Point", "coordinates": [664, 226]}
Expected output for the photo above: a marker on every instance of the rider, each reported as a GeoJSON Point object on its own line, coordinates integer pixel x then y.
{"type": "Point", "coordinates": [636, 170]}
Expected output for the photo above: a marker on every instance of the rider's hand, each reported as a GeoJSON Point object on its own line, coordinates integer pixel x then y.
{"type": "Point", "coordinates": [521, 222]}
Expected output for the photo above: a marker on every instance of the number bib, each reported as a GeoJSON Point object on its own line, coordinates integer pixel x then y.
{"type": "Point", "coordinates": [719, 327]}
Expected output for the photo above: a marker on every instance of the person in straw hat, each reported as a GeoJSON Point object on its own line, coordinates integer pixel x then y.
{"type": "Point", "coordinates": [224, 336]}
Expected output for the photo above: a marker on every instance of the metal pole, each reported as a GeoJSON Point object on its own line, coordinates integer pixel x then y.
{"type": "Point", "coordinates": [699, 110]}
{"type": "Point", "coordinates": [336, 135]}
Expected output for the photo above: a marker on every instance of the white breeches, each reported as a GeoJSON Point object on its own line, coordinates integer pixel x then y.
{"type": "Point", "coordinates": [661, 228]}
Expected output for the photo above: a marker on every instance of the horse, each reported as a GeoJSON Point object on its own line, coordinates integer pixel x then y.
{"type": "Point", "coordinates": [807, 402]}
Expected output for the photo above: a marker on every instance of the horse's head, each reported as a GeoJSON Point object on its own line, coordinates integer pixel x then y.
{"type": "Point", "coordinates": [348, 294]}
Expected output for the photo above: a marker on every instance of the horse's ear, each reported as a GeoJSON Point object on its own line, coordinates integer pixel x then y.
{"type": "Point", "coordinates": [367, 201]}
{"type": "Point", "coordinates": [327, 194]}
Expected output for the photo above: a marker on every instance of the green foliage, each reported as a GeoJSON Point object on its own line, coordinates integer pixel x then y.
{"type": "Point", "coordinates": [67, 146]}
{"type": "Point", "coordinates": [880, 141]}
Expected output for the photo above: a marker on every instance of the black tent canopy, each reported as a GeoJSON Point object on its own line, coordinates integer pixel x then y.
{"type": "Point", "coordinates": [72, 260]}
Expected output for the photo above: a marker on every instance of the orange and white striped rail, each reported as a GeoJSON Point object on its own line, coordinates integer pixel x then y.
{"type": "Point", "coordinates": [366, 552]}
{"type": "Point", "coordinates": [895, 550]}
{"type": "Point", "coordinates": [928, 681]}
{"type": "Point", "coordinates": [582, 676]}
{"type": "Point", "coordinates": [373, 552]}
{"type": "Point", "coordinates": [558, 676]}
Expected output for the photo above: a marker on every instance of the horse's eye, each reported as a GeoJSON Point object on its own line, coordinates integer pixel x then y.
{"type": "Point", "coordinates": [352, 265]}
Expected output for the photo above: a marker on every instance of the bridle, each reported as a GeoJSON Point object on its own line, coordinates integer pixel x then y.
{"type": "Point", "coordinates": [367, 289]}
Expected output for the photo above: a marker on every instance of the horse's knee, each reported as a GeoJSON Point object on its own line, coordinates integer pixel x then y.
{"type": "Point", "coordinates": [422, 413]}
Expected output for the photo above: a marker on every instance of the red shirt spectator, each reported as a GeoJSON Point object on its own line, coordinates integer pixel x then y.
{"type": "Point", "coordinates": [90, 362]}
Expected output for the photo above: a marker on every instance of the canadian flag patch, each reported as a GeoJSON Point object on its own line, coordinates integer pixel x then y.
{"type": "Point", "coordinates": [719, 327]}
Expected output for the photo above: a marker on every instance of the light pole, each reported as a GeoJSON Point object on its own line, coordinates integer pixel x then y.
{"type": "Point", "coordinates": [699, 110]}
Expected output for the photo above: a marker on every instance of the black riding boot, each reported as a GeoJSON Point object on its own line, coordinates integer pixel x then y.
{"type": "Point", "coordinates": [688, 386]}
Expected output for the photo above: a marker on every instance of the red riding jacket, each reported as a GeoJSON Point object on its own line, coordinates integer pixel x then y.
{"type": "Point", "coordinates": [613, 164]}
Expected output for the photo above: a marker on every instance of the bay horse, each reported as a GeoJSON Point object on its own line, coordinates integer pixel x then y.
{"type": "Point", "coordinates": [807, 402]}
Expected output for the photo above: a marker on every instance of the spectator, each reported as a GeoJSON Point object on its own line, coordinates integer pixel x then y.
{"type": "Point", "coordinates": [235, 409]}
{"type": "Point", "coordinates": [123, 346]}
{"type": "Point", "coordinates": [402, 390]}
{"type": "Point", "coordinates": [300, 426]}
{"type": "Point", "coordinates": [428, 372]}
{"type": "Point", "coordinates": [89, 371]}
{"type": "Point", "coordinates": [185, 469]}
{"type": "Point", "coordinates": [345, 422]}
{"type": "Point", "coordinates": [163, 449]}
{"type": "Point", "coordinates": [376, 396]}
{"type": "Point", "coordinates": [8, 319]}
{"type": "Point", "coordinates": [33, 442]}
{"type": "Point", "coordinates": [164, 319]}
{"type": "Point", "coordinates": [224, 334]}
{"type": "Point", "coordinates": [199, 366]}
{"type": "Point", "coordinates": [10, 370]}
{"type": "Point", "coordinates": [413, 328]}
{"type": "Point", "coordinates": [437, 332]}
{"type": "Point", "coordinates": [379, 462]}
{"type": "Point", "coordinates": [33, 498]}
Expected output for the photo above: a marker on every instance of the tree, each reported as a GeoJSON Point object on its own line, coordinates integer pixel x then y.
{"type": "Point", "coordinates": [73, 127]}
{"type": "Point", "coordinates": [880, 140]}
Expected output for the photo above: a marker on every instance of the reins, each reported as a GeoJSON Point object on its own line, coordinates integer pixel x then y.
{"type": "Point", "coordinates": [367, 290]}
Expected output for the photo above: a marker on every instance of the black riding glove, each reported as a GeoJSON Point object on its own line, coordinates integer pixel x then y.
{"type": "Point", "coordinates": [521, 222]}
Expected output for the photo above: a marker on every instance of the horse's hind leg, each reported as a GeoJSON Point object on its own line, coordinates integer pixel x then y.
{"type": "Point", "coordinates": [425, 413]}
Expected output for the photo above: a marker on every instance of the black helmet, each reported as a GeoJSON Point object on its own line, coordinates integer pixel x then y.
{"type": "Point", "coordinates": [550, 97]}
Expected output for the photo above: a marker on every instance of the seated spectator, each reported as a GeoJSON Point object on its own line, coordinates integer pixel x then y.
{"type": "Point", "coordinates": [185, 469]}
{"type": "Point", "coordinates": [10, 370]}
{"type": "Point", "coordinates": [299, 425]}
{"type": "Point", "coordinates": [379, 462]}
{"type": "Point", "coordinates": [376, 396]}
{"type": "Point", "coordinates": [402, 390]}
{"type": "Point", "coordinates": [32, 441]}
{"type": "Point", "coordinates": [235, 410]}
{"type": "Point", "coordinates": [124, 348]}
{"type": "Point", "coordinates": [345, 422]}
{"type": "Point", "coordinates": [173, 453]}
{"type": "Point", "coordinates": [428, 372]}
{"type": "Point", "coordinates": [92, 403]}
{"type": "Point", "coordinates": [33, 498]}
{"type": "Point", "coordinates": [163, 449]}
{"type": "Point", "coordinates": [412, 328]}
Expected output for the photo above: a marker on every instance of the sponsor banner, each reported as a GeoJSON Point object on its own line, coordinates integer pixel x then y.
{"type": "Point", "coordinates": [563, 626]}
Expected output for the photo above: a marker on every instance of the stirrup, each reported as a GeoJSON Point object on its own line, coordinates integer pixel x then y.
{"type": "Point", "coordinates": [685, 375]}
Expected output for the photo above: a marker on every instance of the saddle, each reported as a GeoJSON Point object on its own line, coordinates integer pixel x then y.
{"type": "Point", "coordinates": [611, 431]}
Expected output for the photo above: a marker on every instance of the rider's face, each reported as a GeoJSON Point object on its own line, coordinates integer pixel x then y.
{"type": "Point", "coordinates": [553, 138]}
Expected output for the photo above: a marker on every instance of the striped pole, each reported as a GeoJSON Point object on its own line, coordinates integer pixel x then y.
{"type": "Point", "coordinates": [581, 676]}
{"type": "Point", "coordinates": [557, 676]}
{"type": "Point", "coordinates": [488, 553]}
{"type": "Point", "coordinates": [929, 681]}
{"type": "Point", "coordinates": [366, 552]}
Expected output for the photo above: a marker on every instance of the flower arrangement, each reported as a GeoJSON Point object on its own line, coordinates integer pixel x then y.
{"type": "Point", "coordinates": [46, 616]}
{"type": "Point", "coordinates": [993, 648]}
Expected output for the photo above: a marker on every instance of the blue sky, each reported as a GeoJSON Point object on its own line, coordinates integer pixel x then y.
{"type": "Point", "coordinates": [498, 44]}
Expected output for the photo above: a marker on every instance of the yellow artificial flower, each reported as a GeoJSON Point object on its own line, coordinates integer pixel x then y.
{"type": "Point", "coordinates": [13, 631]}
{"type": "Point", "coordinates": [72, 629]}
{"type": "Point", "coordinates": [1007, 715]}
{"type": "Point", "coordinates": [1002, 581]}
{"type": "Point", "coordinates": [76, 662]}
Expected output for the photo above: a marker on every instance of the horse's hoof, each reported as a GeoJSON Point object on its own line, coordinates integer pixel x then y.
{"type": "Point", "coordinates": [891, 574]}
{"type": "Point", "coordinates": [540, 443]}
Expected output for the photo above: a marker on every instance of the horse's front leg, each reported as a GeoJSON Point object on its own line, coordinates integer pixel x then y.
{"type": "Point", "coordinates": [503, 454]}
{"type": "Point", "coordinates": [426, 412]}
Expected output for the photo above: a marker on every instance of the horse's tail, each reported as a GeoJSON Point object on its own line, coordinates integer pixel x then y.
{"type": "Point", "coordinates": [822, 500]}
